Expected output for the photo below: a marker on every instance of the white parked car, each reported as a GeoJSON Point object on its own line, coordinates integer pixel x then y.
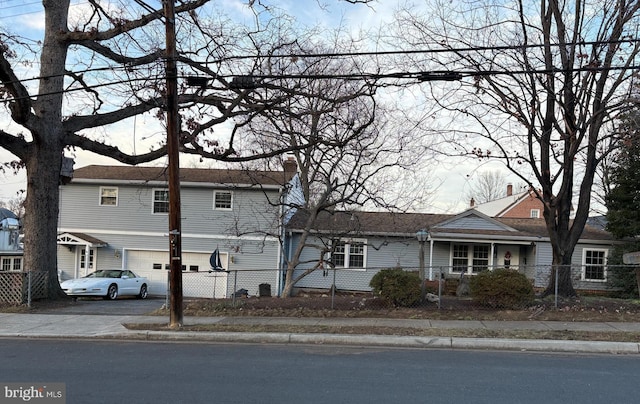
{"type": "Point", "coordinates": [109, 284]}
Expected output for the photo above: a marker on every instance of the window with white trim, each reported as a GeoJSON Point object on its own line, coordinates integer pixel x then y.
{"type": "Point", "coordinates": [222, 200]}
{"type": "Point", "coordinates": [470, 258]}
{"type": "Point", "coordinates": [83, 258]}
{"type": "Point", "coordinates": [594, 264]}
{"type": "Point", "coordinates": [535, 213]}
{"type": "Point", "coordinates": [460, 261]}
{"type": "Point", "coordinates": [108, 196]}
{"type": "Point", "coordinates": [11, 264]}
{"type": "Point", "coordinates": [349, 254]}
{"type": "Point", "coordinates": [6, 264]}
{"type": "Point", "coordinates": [480, 258]}
{"type": "Point", "coordinates": [160, 201]}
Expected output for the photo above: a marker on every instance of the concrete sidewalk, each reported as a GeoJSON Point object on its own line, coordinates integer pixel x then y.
{"type": "Point", "coordinates": [111, 327]}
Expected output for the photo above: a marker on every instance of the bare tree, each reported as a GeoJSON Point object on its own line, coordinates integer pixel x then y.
{"type": "Point", "coordinates": [15, 205]}
{"type": "Point", "coordinates": [487, 186]}
{"type": "Point", "coordinates": [105, 66]}
{"type": "Point", "coordinates": [356, 150]}
{"type": "Point", "coordinates": [542, 82]}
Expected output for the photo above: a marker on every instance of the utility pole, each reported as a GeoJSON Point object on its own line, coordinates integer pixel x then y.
{"type": "Point", "coordinates": [173, 152]}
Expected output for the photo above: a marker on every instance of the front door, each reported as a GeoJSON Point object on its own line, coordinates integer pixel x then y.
{"type": "Point", "coordinates": [85, 260]}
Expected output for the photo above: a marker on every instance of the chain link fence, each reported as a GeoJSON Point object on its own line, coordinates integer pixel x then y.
{"type": "Point", "coordinates": [445, 287]}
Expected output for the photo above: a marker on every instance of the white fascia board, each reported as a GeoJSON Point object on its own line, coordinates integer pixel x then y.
{"type": "Point", "coordinates": [186, 184]}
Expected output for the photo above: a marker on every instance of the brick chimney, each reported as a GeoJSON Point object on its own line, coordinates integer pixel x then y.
{"type": "Point", "coordinates": [472, 203]}
{"type": "Point", "coordinates": [509, 189]}
{"type": "Point", "coordinates": [290, 167]}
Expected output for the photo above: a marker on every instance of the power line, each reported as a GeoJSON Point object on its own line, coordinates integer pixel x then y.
{"type": "Point", "coordinates": [419, 76]}
{"type": "Point", "coordinates": [380, 53]}
{"type": "Point", "coordinates": [430, 51]}
{"type": "Point", "coordinates": [22, 5]}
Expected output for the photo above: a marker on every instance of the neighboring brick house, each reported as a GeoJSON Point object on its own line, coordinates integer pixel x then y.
{"type": "Point", "coordinates": [522, 205]}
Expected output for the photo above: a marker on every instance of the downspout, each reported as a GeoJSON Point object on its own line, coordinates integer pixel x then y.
{"type": "Point", "coordinates": [430, 258]}
{"type": "Point", "coordinates": [280, 259]}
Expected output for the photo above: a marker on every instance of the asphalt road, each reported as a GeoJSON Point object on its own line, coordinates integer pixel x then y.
{"type": "Point", "coordinates": [107, 372]}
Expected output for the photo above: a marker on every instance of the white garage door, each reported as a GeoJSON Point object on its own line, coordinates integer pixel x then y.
{"type": "Point", "coordinates": [197, 281]}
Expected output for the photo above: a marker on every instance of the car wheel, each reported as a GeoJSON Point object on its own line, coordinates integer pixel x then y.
{"type": "Point", "coordinates": [112, 292]}
{"type": "Point", "coordinates": [144, 292]}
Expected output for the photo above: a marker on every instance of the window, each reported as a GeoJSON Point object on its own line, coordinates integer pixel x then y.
{"type": "Point", "coordinates": [108, 196]}
{"type": "Point", "coordinates": [460, 258]}
{"type": "Point", "coordinates": [349, 254]}
{"type": "Point", "coordinates": [338, 256]}
{"type": "Point", "coordinates": [469, 258]}
{"type": "Point", "coordinates": [594, 268]}
{"type": "Point", "coordinates": [535, 213]}
{"type": "Point", "coordinates": [11, 264]}
{"type": "Point", "coordinates": [160, 201]}
{"type": "Point", "coordinates": [480, 258]}
{"type": "Point", "coordinates": [222, 200]}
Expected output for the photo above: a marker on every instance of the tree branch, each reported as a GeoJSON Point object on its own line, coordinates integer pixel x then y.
{"type": "Point", "coordinates": [113, 151]}
{"type": "Point", "coordinates": [21, 105]}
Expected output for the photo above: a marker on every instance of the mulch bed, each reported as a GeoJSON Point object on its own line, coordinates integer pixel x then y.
{"type": "Point", "coordinates": [588, 308]}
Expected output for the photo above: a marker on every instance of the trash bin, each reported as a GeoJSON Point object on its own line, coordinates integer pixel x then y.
{"type": "Point", "coordinates": [264, 290]}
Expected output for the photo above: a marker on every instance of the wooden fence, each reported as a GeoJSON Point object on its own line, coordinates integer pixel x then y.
{"type": "Point", "coordinates": [21, 287]}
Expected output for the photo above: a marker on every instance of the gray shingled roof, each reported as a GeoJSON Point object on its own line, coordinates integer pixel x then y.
{"type": "Point", "coordinates": [381, 223]}
{"type": "Point", "coordinates": [194, 175]}
{"type": "Point", "coordinates": [7, 214]}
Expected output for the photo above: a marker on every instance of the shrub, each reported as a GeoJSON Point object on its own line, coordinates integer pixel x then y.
{"type": "Point", "coordinates": [622, 278]}
{"type": "Point", "coordinates": [501, 288]}
{"type": "Point", "coordinates": [398, 287]}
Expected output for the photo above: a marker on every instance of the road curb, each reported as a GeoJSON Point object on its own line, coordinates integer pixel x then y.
{"type": "Point", "coordinates": [547, 345]}
{"type": "Point", "coordinates": [392, 341]}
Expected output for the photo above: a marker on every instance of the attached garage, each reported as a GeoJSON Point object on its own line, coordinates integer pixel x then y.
{"type": "Point", "coordinates": [197, 279]}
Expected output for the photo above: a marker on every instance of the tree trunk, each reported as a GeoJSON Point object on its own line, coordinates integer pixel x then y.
{"type": "Point", "coordinates": [44, 157]}
{"type": "Point", "coordinates": [41, 223]}
{"type": "Point", "coordinates": [288, 284]}
{"type": "Point", "coordinates": [561, 269]}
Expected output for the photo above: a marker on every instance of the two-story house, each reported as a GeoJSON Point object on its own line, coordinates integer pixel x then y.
{"type": "Point", "coordinates": [117, 217]}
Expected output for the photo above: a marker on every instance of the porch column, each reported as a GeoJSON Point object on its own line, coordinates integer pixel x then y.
{"type": "Point", "coordinates": [87, 248]}
{"type": "Point", "coordinates": [493, 251]}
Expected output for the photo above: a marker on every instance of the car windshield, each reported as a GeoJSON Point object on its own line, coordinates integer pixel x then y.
{"type": "Point", "coordinates": [104, 274]}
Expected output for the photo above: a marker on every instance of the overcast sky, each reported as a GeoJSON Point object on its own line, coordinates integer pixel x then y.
{"type": "Point", "coordinates": [26, 18]}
